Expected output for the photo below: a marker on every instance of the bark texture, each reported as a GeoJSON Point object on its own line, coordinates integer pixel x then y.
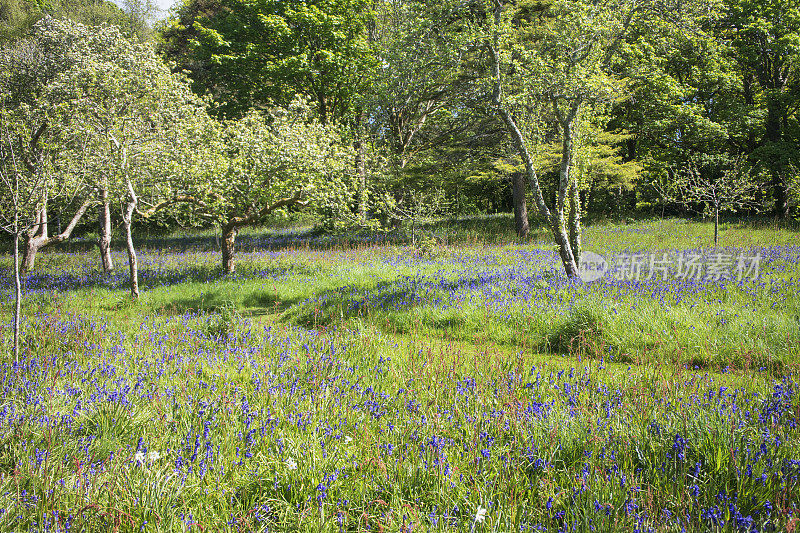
{"type": "Point", "coordinates": [38, 237]}
{"type": "Point", "coordinates": [575, 222]}
{"type": "Point", "coordinates": [17, 290]}
{"type": "Point", "coordinates": [228, 243]}
{"type": "Point", "coordinates": [521, 224]}
{"type": "Point", "coordinates": [127, 222]}
{"type": "Point", "coordinates": [105, 232]}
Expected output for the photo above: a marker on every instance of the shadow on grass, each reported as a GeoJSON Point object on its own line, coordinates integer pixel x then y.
{"type": "Point", "coordinates": [332, 306]}
{"type": "Point", "coordinates": [494, 229]}
{"type": "Point", "coordinates": [259, 303]}
{"type": "Point", "coordinates": [149, 278]}
{"type": "Point", "coordinates": [209, 302]}
{"type": "Point", "coordinates": [256, 303]}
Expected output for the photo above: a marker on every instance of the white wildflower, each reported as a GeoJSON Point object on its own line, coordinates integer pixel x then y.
{"type": "Point", "coordinates": [291, 464]}
{"type": "Point", "coordinates": [480, 515]}
{"type": "Point", "coordinates": [139, 457]}
{"type": "Point", "coordinates": [348, 439]}
{"type": "Point", "coordinates": [153, 456]}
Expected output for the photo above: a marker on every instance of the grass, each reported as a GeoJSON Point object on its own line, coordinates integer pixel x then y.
{"type": "Point", "coordinates": [363, 388]}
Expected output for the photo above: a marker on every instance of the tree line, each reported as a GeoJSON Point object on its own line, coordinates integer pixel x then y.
{"type": "Point", "coordinates": [230, 111]}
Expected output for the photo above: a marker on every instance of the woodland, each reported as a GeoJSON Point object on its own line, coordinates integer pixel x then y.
{"type": "Point", "coordinates": [370, 112]}
{"type": "Point", "coordinates": [320, 265]}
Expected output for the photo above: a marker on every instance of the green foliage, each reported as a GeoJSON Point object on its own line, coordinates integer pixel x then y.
{"type": "Point", "coordinates": [267, 162]}
{"type": "Point", "coordinates": [122, 103]}
{"type": "Point", "coordinates": [224, 322]}
{"type": "Point", "coordinates": [313, 49]}
{"type": "Point", "coordinates": [17, 17]}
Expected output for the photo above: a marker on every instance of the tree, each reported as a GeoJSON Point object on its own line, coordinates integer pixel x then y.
{"type": "Point", "coordinates": [567, 56]}
{"type": "Point", "coordinates": [140, 16]}
{"type": "Point", "coordinates": [27, 68]}
{"type": "Point", "coordinates": [416, 72]}
{"type": "Point", "coordinates": [20, 195]}
{"type": "Point", "coordinates": [17, 17]}
{"type": "Point", "coordinates": [123, 100]}
{"type": "Point", "coordinates": [600, 168]}
{"type": "Point", "coordinates": [719, 185]}
{"type": "Point", "coordinates": [256, 55]}
{"type": "Point", "coordinates": [766, 37]}
{"type": "Point", "coordinates": [31, 142]}
{"type": "Point", "coordinates": [690, 95]}
{"type": "Point", "coordinates": [265, 163]}
{"type": "Point", "coordinates": [317, 49]}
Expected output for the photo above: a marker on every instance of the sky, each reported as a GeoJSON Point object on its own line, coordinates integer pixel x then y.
{"type": "Point", "coordinates": [163, 5]}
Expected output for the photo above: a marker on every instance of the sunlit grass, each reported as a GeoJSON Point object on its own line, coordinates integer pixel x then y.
{"type": "Point", "coordinates": [472, 379]}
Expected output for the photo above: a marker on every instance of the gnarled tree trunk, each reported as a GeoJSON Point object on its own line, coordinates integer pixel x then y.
{"type": "Point", "coordinates": [231, 227]}
{"type": "Point", "coordinates": [37, 237]}
{"type": "Point", "coordinates": [575, 222]}
{"type": "Point", "coordinates": [127, 221]}
{"type": "Point", "coordinates": [521, 224]}
{"type": "Point", "coordinates": [228, 244]}
{"type": "Point", "coordinates": [105, 232]}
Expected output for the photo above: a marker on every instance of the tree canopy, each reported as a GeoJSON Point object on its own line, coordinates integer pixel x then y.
{"type": "Point", "coordinates": [257, 54]}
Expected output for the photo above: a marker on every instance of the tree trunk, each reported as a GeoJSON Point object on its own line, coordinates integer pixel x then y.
{"type": "Point", "coordinates": [716, 226]}
{"type": "Point", "coordinates": [17, 290]}
{"type": "Point", "coordinates": [774, 135]}
{"type": "Point", "coordinates": [564, 247]}
{"type": "Point", "coordinates": [781, 193]}
{"type": "Point", "coordinates": [575, 222]}
{"type": "Point", "coordinates": [29, 254]}
{"type": "Point", "coordinates": [228, 247]}
{"type": "Point", "coordinates": [556, 218]}
{"type": "Point", "coordinates": [322, 109]}
{"type": "Point", "coordinates": [521, 224]}
{"type": "Point", "coordinates": [568, 192]}
{"type": "Point", "coordinates": [105, 232]}
{"type": "Point", "coordinates": [133, 262]}
{"type": "Point", "coordinates": [36, 237]}
{"type": "Point", "coordinates": [127, 222]}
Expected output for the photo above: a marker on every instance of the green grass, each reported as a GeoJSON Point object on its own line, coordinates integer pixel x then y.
{"type": "Point", "coordinates": [463, 379]}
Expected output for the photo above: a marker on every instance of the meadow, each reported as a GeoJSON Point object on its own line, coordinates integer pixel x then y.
{"type": "Point", "coordinates": [359, 383]}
